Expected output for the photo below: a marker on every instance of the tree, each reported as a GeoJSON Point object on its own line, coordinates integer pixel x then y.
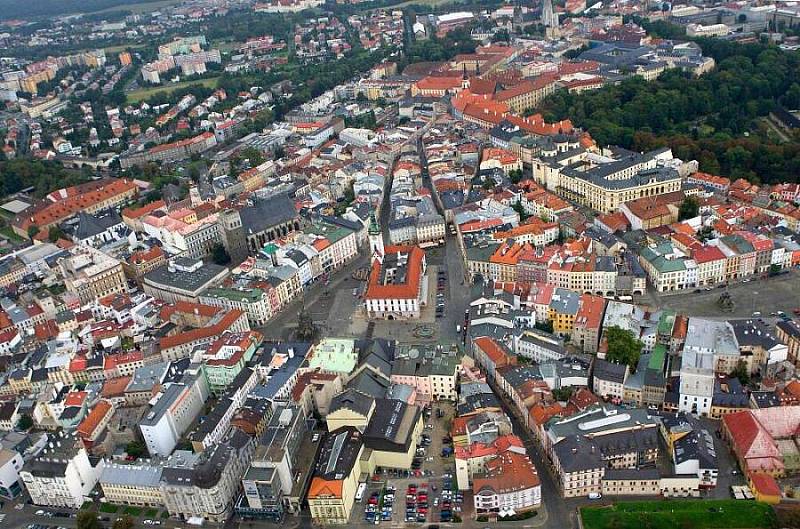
{"type": "Point", "coordinates": [546, 326]}
{"type": "Point", "coordinates": [623, 347]}
{"type": "Point", "coordinates": [705, 233]}
{"type": "Point", "coordinates": [518, 207]}
{"type": "Point", "coordinates": [501, 36]}
{"type": "Point", "coordinates": [33, 231]}
{"type": "Point", "coordinates": [740, 372]}
{"type": "Point", "coordinates": [25, 422]}
{"type": "Point", "coordinates": [689, 208]}
{"type": "Point", "coordinates": [562, 394]}
{"type": "Point", "coordinates": [55, 233]}
{"type": "Point", "coordinates": [124, 522]}
{"type": "Point", "coordinates": [515, 175]}
{"type": "Point", "coordinates": [136, 449]}
{"type": "Point", "coordinates": [219, 255]}
{"type": "Point", "coordinates": [88, 520]}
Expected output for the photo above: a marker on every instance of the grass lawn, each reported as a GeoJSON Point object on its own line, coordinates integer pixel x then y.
{"type": "Point", "coordinates": [10, 234]}
{"type": "Point", "coordinates": [108, 507]}
{"type": "Point", "coordinates": [165, 514]}
{"type": "Point", "coordinates": [133, 511]}
{"type": "Point", "coordinates": [151, 513]}
{"type": "Point", "coordinates": [87, 505]}
{"type": "Point", "coordinates": [144, 93]}
{"type": "Point", "coordinates": [680, 514]}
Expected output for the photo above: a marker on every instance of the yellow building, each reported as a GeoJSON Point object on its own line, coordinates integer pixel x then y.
{"type": "Point", "coordinates": [606, 182]}
{"type": "Point", "coordinates": [563, 309]}
{"type": "Point", "coordinates": [132, 484]}
{"type": "Point", "coordinates": [333, 487]}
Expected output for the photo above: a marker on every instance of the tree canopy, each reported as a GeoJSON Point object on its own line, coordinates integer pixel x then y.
{"type": "Point", "coordinates": [623, 347]}
{"type": "Point", "coordinates": [88, 520]}
{"type": "Point", "coordinates": [25, 422]}
{"type": "Point", "coordinates": [44, 176]}
{"type": "Point", "coordinates": [714, 118]}
{"type": "Point", "coordinates": [689, 208]}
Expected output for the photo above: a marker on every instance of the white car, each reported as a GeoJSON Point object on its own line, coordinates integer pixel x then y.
{"type": "Point", "coordinates": [595, 495]}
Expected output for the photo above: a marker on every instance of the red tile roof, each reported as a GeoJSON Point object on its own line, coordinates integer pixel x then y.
{"type": "Point", "coordinates": [192, 335]}
{"type": "Point", "coordinates": [765, 485]}
{"type": "Point", "coordinates": [89, 424]}
{"type": "Point", "coordinates": [71, 204]}
{"type": "Point", "coordinates": [136, 213]}
{"type": "Point", "coordinates": [590, 311]}
{"type": "Point", "coordinates": [708, 253]}
{"type": "Point", "coordinates": [496, 352]}
{"type": "Point", "coordinates": [410, 288]}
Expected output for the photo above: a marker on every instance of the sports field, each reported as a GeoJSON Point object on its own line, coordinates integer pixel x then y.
{"type": "Point", "coordinates": [680, 514]}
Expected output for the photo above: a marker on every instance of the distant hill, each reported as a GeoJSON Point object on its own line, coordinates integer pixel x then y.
{"type": "Point", "coordinates": [10, 9]}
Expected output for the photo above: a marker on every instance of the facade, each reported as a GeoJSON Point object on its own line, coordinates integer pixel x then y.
{"type": "Point", "coordinates": [509, 484]}
{"type": "Point", "coordinates": [397, 287]}
{"type": "Point", "coordinates": [91, 274]}
{"type": "Point", "coordinates": [173, 413]}
{"type": "Point", "coordinates": [225, 358]}
{"type": "Point", "coordinates": [137, 485]}
{"type": "Point", "coordinates": [586, 446]}
{"type": "Point", "coordinates": [11, 464]}
{"type": "Point", "coordinates": [61, 477]}
{"type": "Point", "coordinates": [333, 487]}
{"type": "Point", "coordinates": [604, 183]}
{"type": "Point", "coordinates": [205, 485]}
{"type": "Point", "coordinates": [254, 302]}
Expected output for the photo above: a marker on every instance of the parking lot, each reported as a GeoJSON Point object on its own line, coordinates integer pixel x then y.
{"type": "Point", "coordinates": [424, 493]}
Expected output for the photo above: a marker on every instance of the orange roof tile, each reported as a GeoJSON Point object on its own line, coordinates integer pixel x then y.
{"type": "Point", "coordinates": [407, 290]}
{"type": "Point", "coordinates": [325, 488]}
{"type": "Point", "coordinates": [94, 418]}
{"type": "Point", "coordinates": [192, 335]}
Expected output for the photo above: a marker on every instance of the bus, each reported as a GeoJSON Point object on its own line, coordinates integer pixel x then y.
{"type": "Point", "coordinates": [362, 487]}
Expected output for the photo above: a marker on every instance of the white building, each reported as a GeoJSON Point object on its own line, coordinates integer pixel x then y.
{"type": "Point", "coordinates": [173, 414]}
{"type": "Point", "coordinates": [539, 346]}
{"type": "Point", "coordinates": [10, 465]}
{"type": "Point", "coordinates": [397, 286]}
{"type": "Point", "coordinates": [708, 343]}
{"type": "Point", "coordinates": [205, 485]}
{"type": "Point", "coordinates": [60, 476]}
{"type": "Point", "coordinates": [252, 301]}
{"type": "Point", "coordinates": [509, 485]}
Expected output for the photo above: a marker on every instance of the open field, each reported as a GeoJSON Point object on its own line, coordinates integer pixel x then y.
{"type": "Point", "coordinates": [144, 93]}
{"type": "Point", "coordinates": [122, 47]}
{"type": "Point", "coordinates": [679, 514]}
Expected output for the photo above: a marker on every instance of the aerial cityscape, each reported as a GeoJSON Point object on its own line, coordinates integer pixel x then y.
{"type": "Point", "coordinates": [432, 264]}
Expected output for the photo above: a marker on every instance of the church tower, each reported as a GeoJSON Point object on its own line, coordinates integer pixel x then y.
{"type": "Point", "coordinates": [375, 238]}
{"type": "Point", "coordinates": [549, 19]}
